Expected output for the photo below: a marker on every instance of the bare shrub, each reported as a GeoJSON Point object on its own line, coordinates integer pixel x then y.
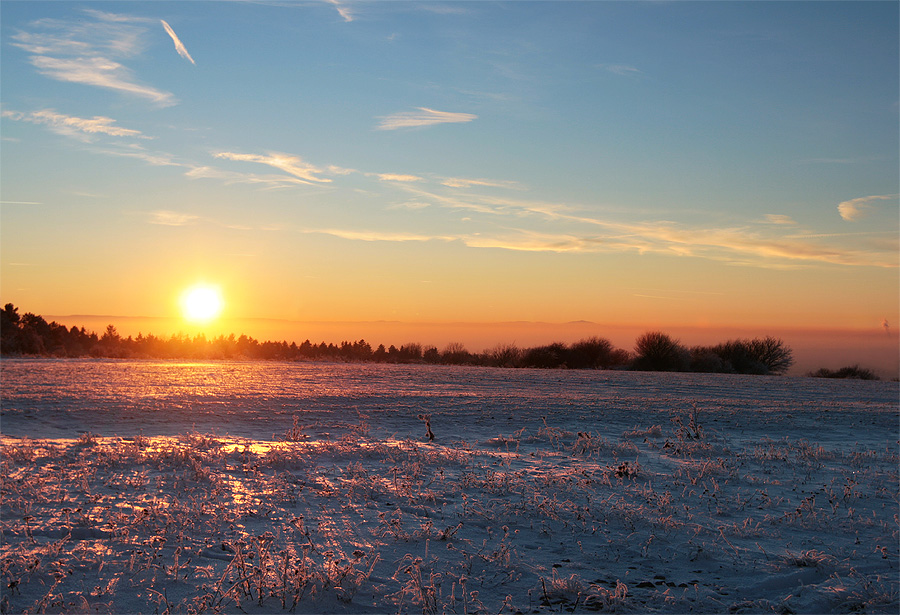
{"type": "Point", "coordinates": [766, 355]}
{"type": "Point", "coordinates": [853, 371]}
{"type": "Point", "coordinates": [657, 351]}
{"type": "Point", "coordinates": [704, 359]}
{"type": "Point", "coordinates": [455, 353]}
{"type": "Point", "coordinates": [591, 353]}
{"type": "Point", "coordinates": [504, 355]}
{"type": "Point", "coordinates": [549, 356]}
{"type": "Point", "coordinates": [773, 353]}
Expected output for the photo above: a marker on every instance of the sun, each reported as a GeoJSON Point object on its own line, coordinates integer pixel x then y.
{"type": "Point", "coordinates": [202, 303]}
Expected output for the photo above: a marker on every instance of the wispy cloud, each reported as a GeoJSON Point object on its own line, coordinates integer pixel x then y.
{"type": "Point", "coordinates": [422, 117]}
{"type": "Point", "coordinates": [522, 240]}
{"type": "Point", "coordinates": [409, 205]}
{"type": "Point", "coordinates": [398, 177]}
{"type": "Point", "coordinates": [69, 125]}
{"type": "Point", "coordinates": [336, 170]}
{"type": "Point", "coordinates": [521, 224]}
{"type": "Point", "coordinates": [620, 69]}
{"type": "Point", "coordinates": [293, 165]}
{"type": "Point", "coordinates": [734, 246]}
{"type": "Point", "coordinates": [157, 159]}
{"type": "Point", "coordinates": [179, 46]}
{"type": "Point", "coordinates": [115, 17]}
{"type": "Point", "coordinates": [379, 235]}
{"type": "Point", "coordinates": [459, 182]}
{"type": "Point", "coordinates": [779, 219]}
{"type": "Point", "coordinates": [100, 72]}
{"type": "Point", "coordinates": [739, 244]}
{"type": "Point", "coordinates": [578, 232]}
{"type": "Point", "coordinates": [269, 181]}
{"type": "Point", "coordinates": [493, 205]}
{"type": "Point", "coordinates": [167, 217]}
{"type": "Point", "coordinates": [571, 228]}
{"type": "Point", "coordinates": [854, 209]}
{"type": "Point", "coordinates": [89, 50]}
{"type": "Point", "coordinates": [343, 10]}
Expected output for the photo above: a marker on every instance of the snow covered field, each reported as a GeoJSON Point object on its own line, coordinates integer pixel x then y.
{"type": "Point", "coordinates": [167, 487]}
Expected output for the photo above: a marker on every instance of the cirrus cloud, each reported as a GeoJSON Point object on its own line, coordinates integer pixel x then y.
{"type": "Point", "coordinates": [409, 205]}
{"type": "Point", "coordinates": [73, 126]}
{"type": "Point", "coordinates": [364, 235]}
{"type": "Point", "coordinates": [343, 10]}
{"type": "Point", "coordinates": [566, 229]}
{"type": "Point", "coordinates": [460, 182]}
{"type": "Point", "coordinates": [166, 217]}
{"type": "Point", "coordinates": [422, 117]}
{"type": "Point", "coordinates": [854, 209]}
{"type": "Point", "coordinates": [99, 72]}
{"type": "Point", "coordinates": [292, 165]}
{"type": "Point", "coordinates": [398, 177]}
{"type": "Point", "coordinates": [89, 51]}
{"type": "Point", "coordinates": [779, 219]}
{"type": "Point", "coordinates": [179, 46]}
{"type": "Point", "coordinates": [620, 69]}
{"type": "Point", "coordinates": [266, 181]}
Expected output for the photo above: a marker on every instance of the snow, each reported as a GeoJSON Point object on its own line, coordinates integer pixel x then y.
{"type": "Point", "coordinates": [132, 486]}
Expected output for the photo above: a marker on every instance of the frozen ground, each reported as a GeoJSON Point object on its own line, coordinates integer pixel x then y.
{"type": "Point", "coordinates": [259, 488]}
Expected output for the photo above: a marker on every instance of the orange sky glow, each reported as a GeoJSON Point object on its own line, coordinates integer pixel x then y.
{"type": "Point", "coordinates": [515, 165]}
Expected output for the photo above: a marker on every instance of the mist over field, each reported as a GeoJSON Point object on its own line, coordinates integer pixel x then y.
{"type": "Point", "coordinates": [877, 349]}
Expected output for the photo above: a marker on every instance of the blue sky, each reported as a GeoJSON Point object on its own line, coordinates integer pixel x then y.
{"type": "Point", "coordinates": [691, 162]}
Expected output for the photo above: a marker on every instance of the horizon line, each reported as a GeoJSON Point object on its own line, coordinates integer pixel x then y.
{"type": "Point", "coordinates": [227, 319]}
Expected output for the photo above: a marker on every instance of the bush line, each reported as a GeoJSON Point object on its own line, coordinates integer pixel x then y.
{"type": "Point", "coordinates": [30, 334]}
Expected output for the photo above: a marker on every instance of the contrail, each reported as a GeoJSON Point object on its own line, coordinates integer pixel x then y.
{"type": "Point", "coordinates": [179, 46]}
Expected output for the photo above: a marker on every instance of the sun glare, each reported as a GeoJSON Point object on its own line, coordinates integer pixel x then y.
{"type": "Point", "coordinates": [201, 303]}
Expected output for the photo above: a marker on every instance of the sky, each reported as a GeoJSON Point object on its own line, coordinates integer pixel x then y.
{"type": "Point", "coordinates": [696, 164]}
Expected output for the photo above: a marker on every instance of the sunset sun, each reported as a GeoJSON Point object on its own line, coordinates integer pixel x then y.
{"type": "Point", "coordinates": [202, 303]}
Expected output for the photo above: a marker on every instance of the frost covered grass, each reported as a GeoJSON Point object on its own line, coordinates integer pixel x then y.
{"type": "Point", "coordinates": [265, 488]}
{"type": "Point", "coordinates": [669, 517]}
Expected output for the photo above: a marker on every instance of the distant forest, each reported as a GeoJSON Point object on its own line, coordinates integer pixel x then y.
{"type": "Point", "coordinates": [30, 334]}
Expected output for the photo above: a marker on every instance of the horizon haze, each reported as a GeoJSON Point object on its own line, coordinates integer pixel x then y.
{"type": "Point", "coordinates": [812, 348]}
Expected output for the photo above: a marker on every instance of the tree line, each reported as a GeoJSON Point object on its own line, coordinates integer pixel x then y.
{"type": "Point", "coordinates": [30, 334]}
